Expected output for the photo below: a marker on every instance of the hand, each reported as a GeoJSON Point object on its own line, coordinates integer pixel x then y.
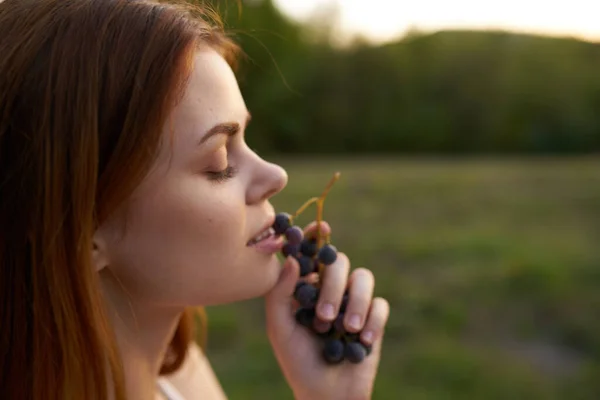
{"type": "Point", "coordinates": [298, 350]}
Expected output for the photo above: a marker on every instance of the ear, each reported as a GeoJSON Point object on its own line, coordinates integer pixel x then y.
{"type": "Point", "coordinates": [100, 258]}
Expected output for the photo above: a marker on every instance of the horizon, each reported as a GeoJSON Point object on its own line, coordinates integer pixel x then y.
{"type": "Point", "coordinates": [351, 19]}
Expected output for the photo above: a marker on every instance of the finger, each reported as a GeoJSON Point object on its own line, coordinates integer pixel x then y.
{"type": "Point", "coordinates": [361, 286]}
{"type": "Point", "coordinates": [376, 321]}
{"type": "Point", "coordinates": [335, 279]}
{"type": "Point", "coordinates": [311, 229]}
{"type": "Point", "coordinates": [279, 300]}
{"type": "Point", "coordinates": [321, 326]}
{"type": "Point", "coordinates": [311, 278]}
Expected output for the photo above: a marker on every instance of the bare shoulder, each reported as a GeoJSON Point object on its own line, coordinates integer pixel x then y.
{"type": "Point", "coordinates": [196, 378]}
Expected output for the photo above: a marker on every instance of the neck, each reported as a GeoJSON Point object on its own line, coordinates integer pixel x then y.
{"type": "Point", "coordinates": [143, 333]}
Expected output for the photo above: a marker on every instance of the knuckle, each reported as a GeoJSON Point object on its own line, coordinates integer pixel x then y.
{"type": "Point", "coordinates": [359, 303]}
{"type": "Point", "coordinates": [380, 310]}
{"type": "Point", "coordinates": [312, 227]}
{"type": "Point", "coordinates": [364, 273]}
{"type": "Point", "coordinates": [328, 298]}
{"type": "Point", "coordinates": [329, 294]}
{"type": "Point", "coordinates": [342, 259]}
{"type": "Point", "coordinates": [382, 303]}
{"type": "Point", "coordinates": [360, 307]}
{"type": "Point", "coordinates": [374, 328]}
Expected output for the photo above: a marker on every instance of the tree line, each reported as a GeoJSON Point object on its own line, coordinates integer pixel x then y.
{"type": "Point", "coordinates": [446, 92]}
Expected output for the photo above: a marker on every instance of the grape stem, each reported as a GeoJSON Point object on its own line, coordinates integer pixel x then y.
{"type": "Point", "coordinates": [320, 205]}
{"type": "Point", "coordinates": [304, 207]}
{"type": "Point", "coordinates": [320, 201]}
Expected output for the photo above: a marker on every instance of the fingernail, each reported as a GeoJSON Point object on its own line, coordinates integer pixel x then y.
{"type": "Point", "coordinates": [354, 321]}
{"type": "Point", "coordinates": [327, 311]}
{"type": "Point", "coordinates": [367, 337]}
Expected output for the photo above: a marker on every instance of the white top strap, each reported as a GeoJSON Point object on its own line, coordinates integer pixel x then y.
{"type": "Point", "coordinates": [168, 390]}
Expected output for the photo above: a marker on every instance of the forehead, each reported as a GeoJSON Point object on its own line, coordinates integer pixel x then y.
{"type": "Point", "coordinates": [212, 80]}
{"type": "Point", "coordinates": [212, 96]}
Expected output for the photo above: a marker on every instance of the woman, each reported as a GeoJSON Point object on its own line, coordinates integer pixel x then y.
{"type": "Point", "coordinates": [128, 196]}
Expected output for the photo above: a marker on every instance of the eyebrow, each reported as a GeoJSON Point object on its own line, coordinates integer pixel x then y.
{"type": "Point", "coordinates": [226, 128]}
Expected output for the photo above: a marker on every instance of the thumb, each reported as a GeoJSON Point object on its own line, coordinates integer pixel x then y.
{"type": "Point", "coordinates": [278, 301]}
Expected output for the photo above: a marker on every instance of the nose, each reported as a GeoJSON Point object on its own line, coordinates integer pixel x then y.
{"type": "Point", "coordinates": [268, 180]}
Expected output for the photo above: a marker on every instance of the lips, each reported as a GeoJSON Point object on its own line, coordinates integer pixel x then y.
{"type": "Point", "coordinates": [262, 236]}
{"type": "Point", "coordinates": [266, 232]}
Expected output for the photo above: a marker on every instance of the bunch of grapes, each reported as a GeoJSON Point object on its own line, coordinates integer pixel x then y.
{"type": "Point", "coordinates": [314, 254]}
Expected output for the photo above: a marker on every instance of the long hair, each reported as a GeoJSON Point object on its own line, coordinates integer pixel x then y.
{"type": "Point", "coordinates": [85, 88]}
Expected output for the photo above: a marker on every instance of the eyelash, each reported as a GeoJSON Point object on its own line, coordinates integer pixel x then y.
{"type": "Point", "coordinates": [222, 176]}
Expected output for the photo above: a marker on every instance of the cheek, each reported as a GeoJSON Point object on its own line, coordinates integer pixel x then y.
{"type": "Point", "coordinates": [187, 223]}
{"type": "Point", "coordinates": [181, 237]}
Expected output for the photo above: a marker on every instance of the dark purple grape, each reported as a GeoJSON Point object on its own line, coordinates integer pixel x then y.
{"type": "Point", "coordinates": [305, 316]}
{"type": "Point", "coordinates": [299, 284]}
{"type": "Point", "coordinates": [306, 265]}
{"type": "Point", "coordinates": [338, 324]}
{"type": "Point", "coordinates": [355, 352]}
{"type": "Point", "coordinates": [289, 249]}
{"type": "Point", "coordinates": [308, 247]}
{"type": "Point", "coordinates": [294, 235]}
{"type": "Point", "coordinates": [282, 223]}
{"type": "Point", "coordinates": [333, 351]}
{"type": "Point", "coordinates": [307, 295]}
{"type": "Point", "coordinates": [327, 254]}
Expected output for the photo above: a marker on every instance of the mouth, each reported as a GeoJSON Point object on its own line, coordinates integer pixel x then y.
{"type": "Point", "coordinates": [266, 241]}
{"type": "Point", "coordinates": [264, 235]}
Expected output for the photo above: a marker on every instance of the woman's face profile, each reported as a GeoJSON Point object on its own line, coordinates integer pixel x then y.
{"type": "Point", "coordinates": [188, 224]}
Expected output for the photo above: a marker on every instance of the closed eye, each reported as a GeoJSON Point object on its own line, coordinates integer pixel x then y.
{"type": "Point", "coordinates": [222, 176]}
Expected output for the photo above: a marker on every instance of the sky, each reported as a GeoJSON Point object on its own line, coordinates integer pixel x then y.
{"type": "Point", "coordinates": [382, 20]}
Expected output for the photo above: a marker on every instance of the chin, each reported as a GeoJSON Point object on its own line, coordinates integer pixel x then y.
{"type": "Point", "coordinates": [269, 277]}
{"type": "Point", "coordinates": [258, 279]}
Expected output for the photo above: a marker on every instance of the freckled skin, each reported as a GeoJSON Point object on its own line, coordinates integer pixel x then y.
{"type": "Point", "coordinates": [185, 240]}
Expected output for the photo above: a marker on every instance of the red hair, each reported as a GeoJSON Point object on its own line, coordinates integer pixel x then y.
{"type": "Point", "coordinates": [85, 87]}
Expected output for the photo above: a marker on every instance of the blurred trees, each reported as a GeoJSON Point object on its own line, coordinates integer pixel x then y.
{"type": "Point", "coordinates": [447, 92]}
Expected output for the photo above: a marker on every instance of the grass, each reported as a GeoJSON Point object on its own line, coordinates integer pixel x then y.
{"type": "Point", "coordinates": [491, 267]}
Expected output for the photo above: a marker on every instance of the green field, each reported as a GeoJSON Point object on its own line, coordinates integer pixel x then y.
{"type": "Point", "coordinates": [491, 267]}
